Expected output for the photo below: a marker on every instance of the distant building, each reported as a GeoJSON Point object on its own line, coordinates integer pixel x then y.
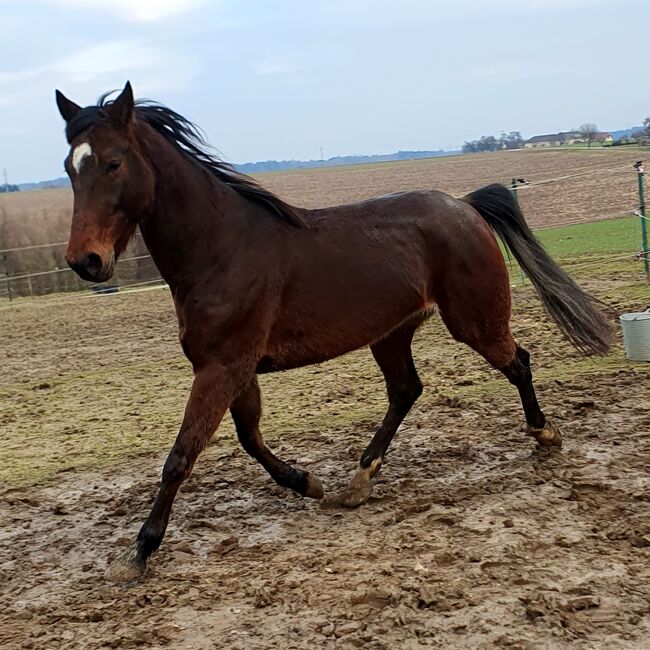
{"type": "Point", "coordinates": [564, 138]}
{"type": "Point", "coordinates": [553, 139]}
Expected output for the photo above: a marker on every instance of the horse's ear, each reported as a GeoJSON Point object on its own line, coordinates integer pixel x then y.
{"type": "Point", "coordinates": [121, 110]}
{"type": "Point", "coordinates": [67, 108]}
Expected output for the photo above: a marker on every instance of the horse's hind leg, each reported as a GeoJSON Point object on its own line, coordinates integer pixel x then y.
{"type": "Point", "coordinates": [519, 374]}
{"type": "Point", "coordinates": [246, 411]}
{"type": "Point", "coordinates": [393, 355]}
{"type": "Point", "coordinates": [490, 336]}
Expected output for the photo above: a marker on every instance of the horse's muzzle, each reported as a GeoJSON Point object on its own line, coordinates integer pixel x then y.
{"type": "Point", "coordinates": [92, 267]}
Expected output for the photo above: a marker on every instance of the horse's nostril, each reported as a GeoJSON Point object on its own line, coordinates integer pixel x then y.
{"type": "Point", "coordinates": [90, 267]}
{"type": "Point", "coordinates": [94, 263]}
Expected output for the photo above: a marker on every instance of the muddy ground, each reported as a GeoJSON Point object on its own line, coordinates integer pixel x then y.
{"type": "Point", "coordinates": [472, 539]}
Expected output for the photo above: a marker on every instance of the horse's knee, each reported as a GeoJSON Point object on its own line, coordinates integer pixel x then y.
{"type": "Point", "coordinates": [176, 468]}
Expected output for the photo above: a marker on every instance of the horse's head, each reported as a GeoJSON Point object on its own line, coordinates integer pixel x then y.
{"type": "Point", "coordinates": [112, 181]}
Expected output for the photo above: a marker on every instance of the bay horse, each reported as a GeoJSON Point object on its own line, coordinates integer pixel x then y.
{"type": "Point", "coordinates": [262, 286]}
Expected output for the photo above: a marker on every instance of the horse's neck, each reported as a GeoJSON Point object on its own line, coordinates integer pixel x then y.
{"type": "Point", "coordinates": [192, 216]}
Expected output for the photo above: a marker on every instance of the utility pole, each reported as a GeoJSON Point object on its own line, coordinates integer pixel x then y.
{"type": "Point", "coordinates": [6, 186]}
{"type": "Point", "coordinates": [322, 157]}
{"type": "Point", "coordinates": [640, 172]}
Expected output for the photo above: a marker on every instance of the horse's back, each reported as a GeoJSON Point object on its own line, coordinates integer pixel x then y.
{"type": "Point", "coordinates": [397, 207]}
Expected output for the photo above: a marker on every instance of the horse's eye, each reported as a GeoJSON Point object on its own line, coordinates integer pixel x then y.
{"type": "Point", "coordinates": [113, 166]}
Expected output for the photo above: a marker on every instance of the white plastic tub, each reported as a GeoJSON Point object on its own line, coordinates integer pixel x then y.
{"type": "Point", "coordinates": [636, 335]}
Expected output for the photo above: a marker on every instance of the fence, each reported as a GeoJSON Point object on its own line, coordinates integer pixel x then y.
{"type": "Point", "coordinates": [644, 252]}
{"type": "Point", "coordinates": [21, 276]}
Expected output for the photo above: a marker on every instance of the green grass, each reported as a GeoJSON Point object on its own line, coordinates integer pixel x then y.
{"type": "Point", "coordinates": [591, 251]}
{"type": "Point", "coordinates": [611, 236]}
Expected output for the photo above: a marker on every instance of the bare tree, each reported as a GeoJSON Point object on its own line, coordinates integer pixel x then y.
{"type": "Point", "coordinates": [588, 131]}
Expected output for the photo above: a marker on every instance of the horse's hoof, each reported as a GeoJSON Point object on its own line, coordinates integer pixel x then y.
{"type": "Point", "coordinates": [314, 488]}
{"type": "Point", "coordinates": [360, 488]}
{"type": "Point", "coordinates": [127, 567]}
{"type": "Point", "coordinates": [354, 496]}
{"type": "Point", "coordinates": [548, 436]}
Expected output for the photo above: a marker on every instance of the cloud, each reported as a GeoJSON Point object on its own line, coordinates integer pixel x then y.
{"type": "Point", "coordinates": [19, 75]}
{"type": "Point", "coordinates": [103, 63]}
{"type": "Point", "coordinates": [277, 65]}
{"type": "Point", "coordinates": [106, 59]}
{"type": "Point", "coordinates": [92, 62]}
{"type": "Point", "coordinates": [138, 11]}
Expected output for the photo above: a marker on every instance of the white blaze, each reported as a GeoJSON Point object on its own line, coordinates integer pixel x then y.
{"type": "Point", "coordinates": [80, 153]}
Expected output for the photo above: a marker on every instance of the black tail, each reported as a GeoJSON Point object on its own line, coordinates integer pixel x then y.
{"type": "Point", "coordinates": [568, 305]}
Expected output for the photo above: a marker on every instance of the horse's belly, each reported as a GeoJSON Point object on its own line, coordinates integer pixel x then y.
{"type": "Point", "coordinates": [329, 339]}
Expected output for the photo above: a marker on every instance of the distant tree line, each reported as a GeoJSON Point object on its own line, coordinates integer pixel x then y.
{"type": "Point", "coordinates": [8, 187]}
{"type": "Point", "coordinates": [512, 140]}
{"type": "Point", "coordinates": [281, 165]}
{"type": "Point", "coordinates": [640, 136]}
{"type": "Point", "coordinates": [641, 133]}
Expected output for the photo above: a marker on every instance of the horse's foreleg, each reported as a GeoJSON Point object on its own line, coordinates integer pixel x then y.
{"type": "Point", "coordinates": [246, 411]}
{"type": "Point", "coordinates": [212, 392]}
{"type": "Point", "coordinates": [394, 358]}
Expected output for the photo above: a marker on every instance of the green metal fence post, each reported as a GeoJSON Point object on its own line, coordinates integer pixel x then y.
{"type": "Point", "coordinates": [644, 221]}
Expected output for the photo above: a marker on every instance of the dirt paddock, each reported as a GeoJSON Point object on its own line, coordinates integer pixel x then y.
{"type": "Point", "coordinates": [472, 538]}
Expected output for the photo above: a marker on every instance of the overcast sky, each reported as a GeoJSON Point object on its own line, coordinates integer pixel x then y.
{"type": "Point", "coordinates": [279, 78]}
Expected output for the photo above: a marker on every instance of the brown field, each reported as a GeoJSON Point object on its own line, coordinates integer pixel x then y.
{"type": "Point", "coordinates": [584, 197]}
{"type": "Point", "coordinates": [43, 217]}
{"type": "Point", "coordinates": [472, 539]}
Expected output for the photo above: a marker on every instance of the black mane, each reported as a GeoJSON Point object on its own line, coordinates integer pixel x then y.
{"type": "Point", "coordinates": [186, 137]}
